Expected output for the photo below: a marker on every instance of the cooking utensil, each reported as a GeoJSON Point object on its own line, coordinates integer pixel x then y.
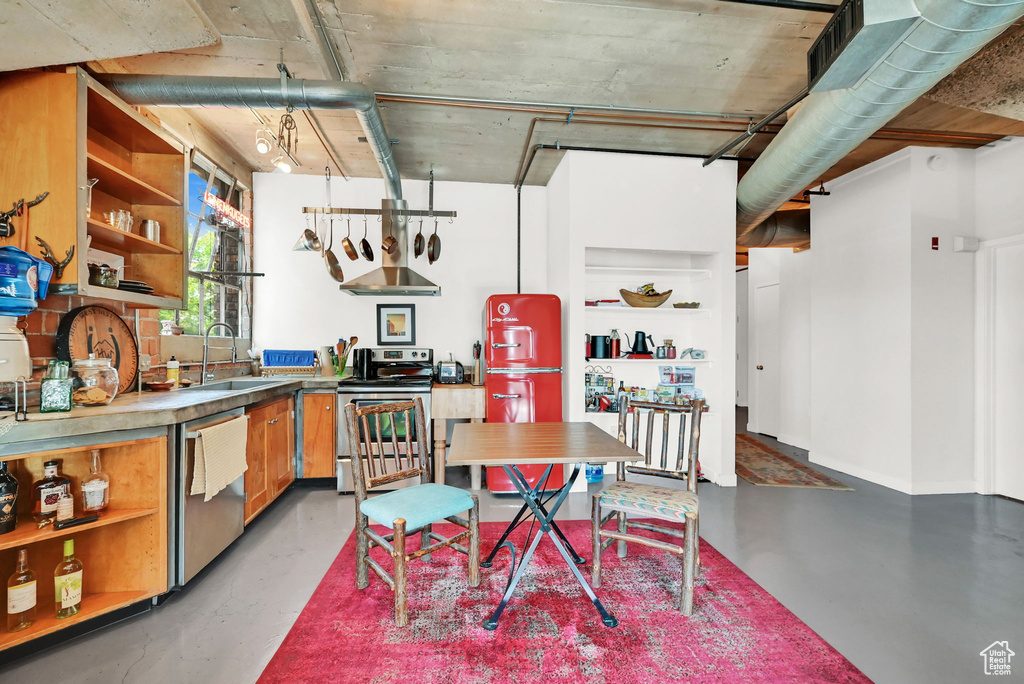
{"type": "Point", "coordinates": [390, 244]}
{"type": "Point", "coordinates": [420, 242]}
{"type": "Point", "coordinates": [639, 345]}
{"type": "Point", "coordinates": [364, 244]}
{"type": "Point", "coordinates": [308, 241]}
{"type": "Point", "coordinates": [333, 266]}
{"type": "Point", "coordinates": [346, 244]}
{"type": "Point", "coordinates": [434, 245]}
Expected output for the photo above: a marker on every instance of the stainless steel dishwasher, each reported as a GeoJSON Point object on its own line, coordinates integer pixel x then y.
{"type": "Point", "coordinates": [204, 528]}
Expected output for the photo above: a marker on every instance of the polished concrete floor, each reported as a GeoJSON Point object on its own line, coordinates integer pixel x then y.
{"type": "Point", "coordinates": [910, 589]}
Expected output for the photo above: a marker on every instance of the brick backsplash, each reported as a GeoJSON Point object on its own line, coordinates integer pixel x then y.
{"type": "Point", "coordinates": [41, 331]}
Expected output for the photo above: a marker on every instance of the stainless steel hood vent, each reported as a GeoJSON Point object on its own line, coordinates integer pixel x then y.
{"type": "Point", "coordinates": [394, 278]}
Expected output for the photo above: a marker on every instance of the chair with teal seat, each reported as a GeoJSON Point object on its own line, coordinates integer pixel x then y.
{"type": "Point", "coordinates": [389, 444]}
{"type": "Point", "coordinates": [668, 503]}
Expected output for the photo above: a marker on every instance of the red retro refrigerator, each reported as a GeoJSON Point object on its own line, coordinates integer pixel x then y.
{"type": "Point", "coordinates": [523, 378]}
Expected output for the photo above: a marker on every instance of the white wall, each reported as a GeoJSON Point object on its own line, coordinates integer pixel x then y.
{"type": "Point", "coordinates": [892, 323]}
{"type": "Point", "coordinates": [795, 347]}
{"type": "Point", "coordinates": [998, 184]}
{"type": "Point", "coordinates": [860, 313]}
{"type": "Point", "coordinates": [299, 306]}
{"type": "Point", "coordinates": [742, 332]}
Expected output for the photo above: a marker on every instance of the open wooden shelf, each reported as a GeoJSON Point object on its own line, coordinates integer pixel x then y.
{"type": "Point", "coordinates": [663, 310]}
{"type": "Point", "coordinates": [124, 186]}
{"type": "Point", "coordinates": [28, 533]}
{"type": "Point", "coordinates": [641, 272]}
{"type": "Point", "coordinates": [107, 237]}
{"type": "Point", "coordinates": [92, 605]}
{"type": "Point", "coordinates": [594, 361]}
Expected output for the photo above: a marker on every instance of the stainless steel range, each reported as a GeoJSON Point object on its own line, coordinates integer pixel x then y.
{"type": "Point", "coordinates": [395, 374]}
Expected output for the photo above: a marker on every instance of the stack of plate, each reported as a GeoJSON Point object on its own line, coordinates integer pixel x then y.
{"type": "Point", "coordinates": [135, 286]}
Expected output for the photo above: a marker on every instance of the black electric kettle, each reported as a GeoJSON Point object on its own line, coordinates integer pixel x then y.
{"type": "Point", "coordinates": [640, 343]}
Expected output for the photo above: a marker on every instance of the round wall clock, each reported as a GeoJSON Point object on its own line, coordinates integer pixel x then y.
{"type": "Point", "coordinates": [98, 330]}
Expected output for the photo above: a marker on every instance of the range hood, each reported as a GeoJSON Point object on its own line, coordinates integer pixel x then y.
{"type": "Point", "coordinates": [394, 278]}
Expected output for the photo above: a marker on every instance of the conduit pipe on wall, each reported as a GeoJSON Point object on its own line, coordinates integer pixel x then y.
{"type": "Point", "coordinates": [265, 93]}
{"type": "Point", "coordinates": [781, 229]}
{"type": "Point", "coordinates": [829, 125]}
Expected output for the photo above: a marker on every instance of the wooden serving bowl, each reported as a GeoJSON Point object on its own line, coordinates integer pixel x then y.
{"type": "Point", "coordinates": [644, 301]}
{"type": "Point", "coordinates": [163, 386]}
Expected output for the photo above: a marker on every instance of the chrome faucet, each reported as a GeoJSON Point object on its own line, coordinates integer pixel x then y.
{"type": "Point", "coordinates": [207, 348]}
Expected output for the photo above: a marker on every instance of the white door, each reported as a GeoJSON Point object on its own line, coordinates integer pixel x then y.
{"type": "Point", "coordinates": [1008, 375]}
{"type": "Point", "coordinates": [765, 359]}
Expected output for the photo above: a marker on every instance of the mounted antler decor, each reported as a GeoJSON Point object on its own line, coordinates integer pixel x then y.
{"type": "Point", "coordinates": [58, 266]}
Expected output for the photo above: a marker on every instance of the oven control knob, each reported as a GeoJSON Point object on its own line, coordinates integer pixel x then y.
{"type": "Point", "coordinates": [415, 354]}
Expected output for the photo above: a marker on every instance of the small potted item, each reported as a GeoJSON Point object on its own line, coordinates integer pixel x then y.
{"type": "Point", "coordinates": [95, 381]}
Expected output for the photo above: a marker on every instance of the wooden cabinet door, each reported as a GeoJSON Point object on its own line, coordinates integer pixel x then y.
{"type": "Point", "coordinates": [319, 431]}
{"type": "Point", "coordinates": [281, 444]}
{"type": "Point", "coordinates": [257, 483]}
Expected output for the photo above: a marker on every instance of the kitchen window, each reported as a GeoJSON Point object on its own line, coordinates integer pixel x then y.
{"type": "Point", "coordinates": [219, 247]}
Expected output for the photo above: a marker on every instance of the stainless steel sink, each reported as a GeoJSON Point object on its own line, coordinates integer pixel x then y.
{"type": "Point", "coordinates": [234, 385]}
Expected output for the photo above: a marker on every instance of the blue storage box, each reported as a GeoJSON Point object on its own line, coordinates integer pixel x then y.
{"type": "Point", "coordinates": [288, 357]}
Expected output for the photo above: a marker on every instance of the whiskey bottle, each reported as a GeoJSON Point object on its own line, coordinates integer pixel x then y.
{"type": "Point", "coordinates": [8, 500]}
{"type": "Point", "coordinates": [46, 493]}
{"type": "Point", "coordinates": [21, 596]}
{"type": "Point", "coordinates": [95, 487]}
{"type": "Point", "coordinates": [67, 582]}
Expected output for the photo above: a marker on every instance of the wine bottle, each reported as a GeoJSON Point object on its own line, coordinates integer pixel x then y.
{"type": "Point", "coordinates": [21, 596]}
{"type": "Point", "coordinates": [95, 487]}
{"type": "Point", "coordinates": [8, 500]}
{"type": "Point", "coordinates": [46, 493]}
{"type": "Point", "coordinates": [67, 582]}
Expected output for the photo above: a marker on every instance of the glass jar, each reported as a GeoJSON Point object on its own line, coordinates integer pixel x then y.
{"type": "Point", "coordinates": [95, 381]}
{"type": "Point", "coordinates": [55, 389]}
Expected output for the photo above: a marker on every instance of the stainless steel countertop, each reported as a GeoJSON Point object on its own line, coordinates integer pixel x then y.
{"type": "Point", "coordinates": [155, 409]}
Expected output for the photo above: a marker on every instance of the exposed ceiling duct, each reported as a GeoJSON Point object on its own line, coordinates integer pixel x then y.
{"type": "Point", "coordinates": [829, 125]}
{"type": "Point", "coordinates": [265, 93]}
{"type": "Point", "coordinates": [781, 229]}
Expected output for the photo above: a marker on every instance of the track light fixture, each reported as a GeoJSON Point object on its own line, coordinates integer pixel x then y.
{"type": "Point", "coordinates": [281, 164]}
{"type": "Point", "coordinates": [264, 141]}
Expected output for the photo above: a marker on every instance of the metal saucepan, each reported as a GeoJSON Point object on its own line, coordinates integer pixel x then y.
{"type": "Point", "coordinates": [434, 246]}
{"type": "Point", "coordinates": [346, 244]}
{"type": "Point", "coordinates": [364, 245]}
{"type": "Point", "coordinates": [420, 242]}
{"type": "Point", "coordinates": [333, 267]}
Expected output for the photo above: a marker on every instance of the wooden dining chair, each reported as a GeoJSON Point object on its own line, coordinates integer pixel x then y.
{"type": "Point", "coordinates": [650, 501]}
{"type": "Point", "coordinates": [389, 444]}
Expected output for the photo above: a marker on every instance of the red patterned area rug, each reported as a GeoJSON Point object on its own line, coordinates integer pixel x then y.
{"type": "Point", "coordinates": [759, 464]}
{"type": "Point", "coordinates": [550, 632]}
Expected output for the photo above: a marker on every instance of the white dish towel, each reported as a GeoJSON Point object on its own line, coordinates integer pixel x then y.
{"type": "Point", "coordinates": [219, 456]}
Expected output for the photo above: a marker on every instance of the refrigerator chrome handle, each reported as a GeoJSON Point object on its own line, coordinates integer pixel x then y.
{"type": "Point", "coordinates": [504, 345]}
{"type": "Point", "coordinates": [506, 396]}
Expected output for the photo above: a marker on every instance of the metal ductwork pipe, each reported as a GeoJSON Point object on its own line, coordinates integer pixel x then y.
{"type": "Point", "coordinates": [265, 93]}
{"type": "Point", "coordinates": [781, 229]}
{"type": "Point", "coordinates": [829, 125]}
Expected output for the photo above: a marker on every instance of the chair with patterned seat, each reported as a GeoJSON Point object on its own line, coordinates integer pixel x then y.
{"type": "Point", "coordinates": [651, 501]}
{"type": "Point", "coordinates": [389, 444]}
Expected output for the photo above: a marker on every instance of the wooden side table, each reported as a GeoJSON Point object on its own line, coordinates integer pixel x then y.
{"type": "Point", "coordinates": [452, 402]}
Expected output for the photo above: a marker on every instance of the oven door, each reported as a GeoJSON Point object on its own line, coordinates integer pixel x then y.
{"type": "Point", "coordinates": [381, 396]}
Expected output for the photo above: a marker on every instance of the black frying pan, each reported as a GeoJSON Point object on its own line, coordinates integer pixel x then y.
{"type": "Point", "coordinates": [419, 243]}
{"type": "Point", "coordinates": [364, 244]}
{"type": "Point", "coordinates": [434, 246]}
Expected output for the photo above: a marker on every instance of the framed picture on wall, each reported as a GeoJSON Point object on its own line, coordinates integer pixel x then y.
{"type": "Point", "coordinates": [396, 324]}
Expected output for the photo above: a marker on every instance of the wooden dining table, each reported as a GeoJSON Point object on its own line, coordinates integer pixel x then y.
{"type": "Point", "coordinates": [510, 445]}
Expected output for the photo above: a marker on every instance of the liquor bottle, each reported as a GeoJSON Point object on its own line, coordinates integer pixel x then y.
{"type": "Point", "coordinates": [95, 487]}
{"type": "Point", "coordinates": [8, 500]}
{"type": "Point", "coordinates": [46, 492]}
{"type": "Point", "coordinates": [67, 582]}
{"type": "Point", "coordinates": [21, 595]}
